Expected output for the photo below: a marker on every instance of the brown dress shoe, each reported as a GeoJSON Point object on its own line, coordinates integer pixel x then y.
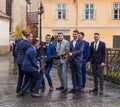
{"type": "Point", "coordinates": [51, 88]}
{"type": "Point", "coordinates": [42, 87]}
{"type": "Point", "coordinates": [83, 90]}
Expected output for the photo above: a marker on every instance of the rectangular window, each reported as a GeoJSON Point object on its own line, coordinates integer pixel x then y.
{"type": "Point", "coordinates": [89, 11]}
{"type": "Point", "coordinates": [116, 41]}
{"type": "Point", "coordinates": [9, 11]}
{"type": "Point", "coordinates": [8, 7]}
{"type": "Point", "coordinates": [117, 10]}
{"type": "Point", "coordinates": [61, 11]}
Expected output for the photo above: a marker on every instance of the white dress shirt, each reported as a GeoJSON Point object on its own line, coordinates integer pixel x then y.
{"type": "Point", "coordinates": [74, 42]}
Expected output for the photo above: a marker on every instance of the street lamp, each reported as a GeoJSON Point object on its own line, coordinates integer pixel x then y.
{"type": "Point", "coordinates": [40, 12]}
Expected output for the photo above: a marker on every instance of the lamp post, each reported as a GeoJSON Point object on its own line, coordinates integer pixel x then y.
{"type": "Point", "coordinates": [40, 12]}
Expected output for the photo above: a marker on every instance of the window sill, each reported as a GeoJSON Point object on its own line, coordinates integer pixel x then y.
{"type": "Point", "coordinates": [115, 19]}
{"type": "Point", "coordinates": [88, 19]}
{"type": "Point", "coordinates": [61, 19]}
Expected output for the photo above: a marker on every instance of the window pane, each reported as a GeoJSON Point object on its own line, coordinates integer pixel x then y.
{"type": "Point", "coordinates": [119, 14]}
{"type": "Point", "coordinates": [116, 41]}
{"type": "Point", "coordinates": [59, 6]}
{"type": "Point", "coordinates": [115, 11]}
{"type": "Point", "coordinates": [86, 16]}
{"type": "Point", "coordinates": [91, 16]}
{"type": "Point", "coordinates": [119, 5]}
{"type": "Point", "coordinates": [63, 6]}
{"type": "Point", "coordinates": [115, 16]}
{"type": "Point", "coordinates": [91, 11]}
{"type": "Point", "coordinates": [116, 5]}
{"type": "Point", "coordinates": [91, 6]}
{"type": "Point", "coordinates": [86, 11]}
{"type": "Point", "coordinates": [87, 6]}
{"type": "Point", "coordinates": [64, 14]}
{"type": "Point", "coordinates": [59, 14]}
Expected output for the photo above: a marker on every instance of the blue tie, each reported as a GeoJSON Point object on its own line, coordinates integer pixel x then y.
{"type": "Point", "coordinates": [59, 46]}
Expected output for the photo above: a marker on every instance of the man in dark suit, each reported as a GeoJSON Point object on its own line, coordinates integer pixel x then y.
{"type": "Point", "coordinates": [24, 44]}
{"type": "Point", "coordinates": [31, 69]}
{"type": "Point", "coordinates": [98, 62]}
{"type": "Point", "coordinates": [24, 32]}
{"type": "Point", "coordinates": [86, 56]}
{"type": "Point", "coordinates": [76, 59]}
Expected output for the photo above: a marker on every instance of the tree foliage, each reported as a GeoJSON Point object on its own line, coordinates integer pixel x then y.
{"type": "Point", "coordinates": [18, 29]}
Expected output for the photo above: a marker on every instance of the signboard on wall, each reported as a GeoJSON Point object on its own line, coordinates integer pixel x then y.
{"type": "Point", "coordinates": [64, 31]}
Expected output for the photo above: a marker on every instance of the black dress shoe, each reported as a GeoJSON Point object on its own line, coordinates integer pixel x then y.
{"type": "Point", "coordinates": [94, 90]}
{"type": "Point", "coordinates": [20, 94]}
{"type": "Point", "coordinates": [60, 88]}
{"type": "Point", "coordinates": [64, 90]}
{"type": "Point", "coordinates": [72, 91]}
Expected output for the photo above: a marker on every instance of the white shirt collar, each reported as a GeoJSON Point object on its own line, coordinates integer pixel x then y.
{"type": "Point", "coordinates": [75, 39]}
{"type": "Point", "coordinates": [96, 42]}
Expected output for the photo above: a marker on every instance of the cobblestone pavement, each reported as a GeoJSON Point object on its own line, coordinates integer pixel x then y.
{"type": "Point", "coordinates": [8, 98]}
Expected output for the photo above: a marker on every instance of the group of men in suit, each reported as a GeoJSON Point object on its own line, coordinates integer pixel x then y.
{"type": "Point", "coordinates": [79, 54]}
{"type": "Point", "coordinates": [30, 76]}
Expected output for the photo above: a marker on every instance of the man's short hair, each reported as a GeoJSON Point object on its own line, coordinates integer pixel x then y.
{"type": "Point", "coordinates": [34, 41]}
{"type": "Point", "coordinates": [76, 31]}
{"type": "Point", "coordinates": [82, 33]}
{"type": "Point", "coordinates": [24, 32]}
{"type": "Point", "coordinates": [27, 34]}
{"type": "Point", "coordinates": [96, 34]}
{"type": "Point", "coordinates": [48, 35]}
{"type": "Point", "coordinates": [60, 33]}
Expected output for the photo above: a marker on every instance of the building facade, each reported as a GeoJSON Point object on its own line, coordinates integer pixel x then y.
{"type": "Point", "coordinates": [4, 32]}
{"type": "Point", "coordinates": [16, 10]}
{"type": "Point", "coordinates": [88, 16]}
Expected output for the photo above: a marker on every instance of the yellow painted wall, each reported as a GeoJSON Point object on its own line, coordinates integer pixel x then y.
{"type": "Point", "coordinates": [34, 5]}
{"type": "Point", "coordinates": [18, 12]}
{"type": "Point", "coordinates": [103, 22]}
{"type": "Point", "coordinates": [3, 5]}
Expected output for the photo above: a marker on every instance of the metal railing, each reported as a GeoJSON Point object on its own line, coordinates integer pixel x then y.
{"type": "Point", "coordinates": [112, 68]}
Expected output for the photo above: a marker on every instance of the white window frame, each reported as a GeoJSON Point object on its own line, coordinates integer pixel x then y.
{"type": "Point", "coordinates": [89, 11]}
{"type": "Point", "coordinates": [63, 11]}
{"type": "Point", "coordinates": [116, 9]}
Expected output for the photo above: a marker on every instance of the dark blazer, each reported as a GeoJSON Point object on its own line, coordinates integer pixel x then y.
{"type": "Point", "coordinates": [86, 52]}
{"type": "Point", "coordinates": [30, 60]}
{"type": "Point", "coordinates": [51, 50]}
{"type": "Point", "coordinates": [98, 56]}
{"type": "Point", "coordinates": [41, 50]}
{"type": "Point", "coordinates": [23, 46]}
{"type": "Point", "coordinates": [77, 52]}
{"type": "Point", "coordinates": [17, 45]}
